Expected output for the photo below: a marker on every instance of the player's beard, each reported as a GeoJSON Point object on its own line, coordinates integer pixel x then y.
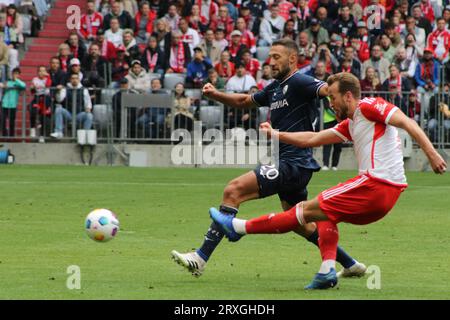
{"type": "Point", "coordinates": [342, 114]}
{"type": "Point", "coordinates": [280, 75]}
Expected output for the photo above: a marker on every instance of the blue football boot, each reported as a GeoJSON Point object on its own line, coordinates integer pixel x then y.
{"type": "Point", "coordinates": [225, 221]}
{"type": "Point", "coordinates": [323, 281]}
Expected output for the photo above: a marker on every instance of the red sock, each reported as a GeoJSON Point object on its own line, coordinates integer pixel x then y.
{"type": "Point", "coordinates": [273, 223]}
{"type": "Point", "coordinates": [328, 239]}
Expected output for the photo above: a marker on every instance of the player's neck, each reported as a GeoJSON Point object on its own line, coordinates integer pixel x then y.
{"type": "Point", "coordinates": [289, 75]}
{"type": "Point", "coordinates": [352, 108]}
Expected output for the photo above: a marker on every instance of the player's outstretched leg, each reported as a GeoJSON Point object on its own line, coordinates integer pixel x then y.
{"type": "Point", "coordinates": [286, 221]}
{"type": "Point", "coordinates": [351, 267]}
{"type": "Point", "coordinates": [328, 240]}
{"type": "Point", "coordinates": [195, 262]}
{"type": "Point", "coordinates": [191, 261]}
{"type": "Point", "coordinates": [237, 191]}
{"type": "Point", "coordinates": [225, 222]}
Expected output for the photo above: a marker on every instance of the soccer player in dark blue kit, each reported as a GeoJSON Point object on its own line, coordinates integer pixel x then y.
{"type": "Point", "coordinates": [291, 100]}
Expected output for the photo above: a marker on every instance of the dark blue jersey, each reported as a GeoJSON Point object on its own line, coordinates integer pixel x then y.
{"type": "Point", "coordinates": [293, 108]}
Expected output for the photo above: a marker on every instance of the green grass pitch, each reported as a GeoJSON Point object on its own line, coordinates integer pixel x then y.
{"type": "Point", "coordinates": [42, 233]}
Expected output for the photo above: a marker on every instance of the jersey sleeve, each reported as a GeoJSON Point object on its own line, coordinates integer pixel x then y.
{"type": "Point", "coordinates": [308, 87]}
{"type": "Point", "coordinates": [342, 130]}
{"type": "Point", "coordinates": [377, 110]}
{"type": "Point", "coordinates": [261, 98]}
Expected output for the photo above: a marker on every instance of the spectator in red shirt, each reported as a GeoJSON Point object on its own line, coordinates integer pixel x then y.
{"type": "Point", "coordinates": [144, 22]}
{"type": "Point", "coordinates": [90, 22]}
{"type": "Point", "coordinates": [225, 68]}
{"type": "Point", "coordinates": [361, 48]}
{"type": "Point", "coordinates": [236, 47]}
{"type": "Point", "coordinates": [250, 20]}
{"type": "Point", "coordinates": [223, 21]}
{"type": "Point", "coordinates": [266, 77]}
{"type": "Point", "coordinates": [251, 64]}
{"type": "Point", "coordinates": [439, 41]}
{"type": "Point", "coordinates": [248, 38]}
{"type": "Point", "coordinates": [77, 47]}
{"type": "Point", "coordinates": [304, 64]}
{"type": "Point", "coordinates": [197, 21]}
{"type": "Point", "coordinates": [427, 10]}
{"type": "Point", "coordinates": [284, 7]}
{"type": "Point", "coordinates": [119, 66]}
{"type": "Point", "coordinates": [363, 32]}
{"type": "Point", "coordinates": [107, 48]}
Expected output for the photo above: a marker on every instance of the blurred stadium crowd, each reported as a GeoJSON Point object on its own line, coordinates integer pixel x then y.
{"type": "Point", "coordinates": [399, 50]}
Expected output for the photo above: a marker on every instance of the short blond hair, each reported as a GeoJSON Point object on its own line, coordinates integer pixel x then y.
{"type": "Point", "coordinates": [346, 82]}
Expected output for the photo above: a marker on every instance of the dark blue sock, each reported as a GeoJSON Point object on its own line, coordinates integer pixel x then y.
{"type": "Point", "coordinates": [214, 235]}
{"type": "Point", "coordinates": [341, 256]}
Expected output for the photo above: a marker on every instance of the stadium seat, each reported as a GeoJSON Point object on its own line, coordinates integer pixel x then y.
{"type": "Point", "coordinates": [195, 95]}
{"type": "Point", "coordinates": [211, 117]}
{"type": "Point", "coordinates": [154, 76]}
{"type": "Point", "coordinates": [107, 95]}
{"type": "Point", "coordinates": [263, 112]}
{"type": "Point", "coordinates": [171, 80]}
{"type": "Point", "coordinates": [262, 53]}
{"type": "Point", "coordinates": [102, 115]}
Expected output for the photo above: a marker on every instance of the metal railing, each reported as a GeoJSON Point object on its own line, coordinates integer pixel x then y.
{"type": "Point", "coordinates": [127, 116]}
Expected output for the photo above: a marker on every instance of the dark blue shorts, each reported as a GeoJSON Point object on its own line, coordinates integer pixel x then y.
{"type": "Point", "coordinates": [289, 181]}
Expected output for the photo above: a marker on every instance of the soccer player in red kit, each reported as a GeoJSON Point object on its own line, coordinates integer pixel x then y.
{"type": "Point", "coordinates": [371, 124]}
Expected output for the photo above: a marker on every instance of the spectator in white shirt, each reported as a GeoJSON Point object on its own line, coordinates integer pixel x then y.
{"type": "Point", "coordinates": [271, 28]}
{"type": "Point", "coordinates": [82, 108]}
{"type": "Point", "coordinates": [241, 81]}
{"type": "Point", "coordinates": [189, 35]}
{"type": "Point", "coordinates": [115, 33]}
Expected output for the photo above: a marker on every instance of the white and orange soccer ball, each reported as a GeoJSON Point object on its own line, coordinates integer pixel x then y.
{"type": "Point", "coordinates": [102, 225]}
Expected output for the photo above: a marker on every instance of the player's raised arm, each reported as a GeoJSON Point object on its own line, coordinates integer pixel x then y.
{"type": "Point", "coordinates": [400, 120]}
{"type": "Point", "coordinates": [323, 91]}
{"type": "Point", "coordinates": [235, 100]}
{"type": "Point", "coordinates": [302, 139]}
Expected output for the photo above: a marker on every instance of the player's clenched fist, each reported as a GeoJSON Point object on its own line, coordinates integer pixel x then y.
{"type": "Point", "coordinates": [438, 163]}
{"type": "Point", "coordinates": [208, 90]}
{"type": "Point", "coordinates": [267, 129]}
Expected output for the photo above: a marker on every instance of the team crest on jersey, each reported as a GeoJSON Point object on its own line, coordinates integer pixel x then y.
{"type": "Point", "coordinates": [381, 107]}
{"type": "Point", "coordinates": [285, 89]}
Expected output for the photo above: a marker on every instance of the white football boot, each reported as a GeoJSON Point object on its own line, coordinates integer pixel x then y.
{"type": "Point", "coordinates": [191, 261]}
{"type": "Point", "coordinates": [356, 270]}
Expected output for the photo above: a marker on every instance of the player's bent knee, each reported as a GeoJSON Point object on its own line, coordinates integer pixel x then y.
{"type": "Point", "coordinates": [311, 211]}
{"type": "Point", "coordinates": [233, 192]}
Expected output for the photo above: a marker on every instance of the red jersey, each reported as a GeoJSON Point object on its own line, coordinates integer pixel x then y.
{"type": "Point", "coordinates": [440, 42]}
{"type": "Point", "coordinates": [149, 27]}
{"type": "Point", "coordinates": [249, 40]}
{"type": "Point", "coordinates": [225, 71]}
{"type": "Point", "coordinates": [89, 25]}
{"type": "Point", "coordinates": [252, 67]}
{"type": "Point", "coordinates": [284, 7]}
{"type": "Point", "coordinates": [227, 24]}
{"type": "Point", "coordinates": [376, 143]}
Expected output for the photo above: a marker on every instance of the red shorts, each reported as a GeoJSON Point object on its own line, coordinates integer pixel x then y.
{"type": "Point", "coordinates": [361, 200]}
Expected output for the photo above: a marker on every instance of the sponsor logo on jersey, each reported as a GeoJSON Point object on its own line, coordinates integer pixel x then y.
{"type": "Point", "coordinates": [278, 104]}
